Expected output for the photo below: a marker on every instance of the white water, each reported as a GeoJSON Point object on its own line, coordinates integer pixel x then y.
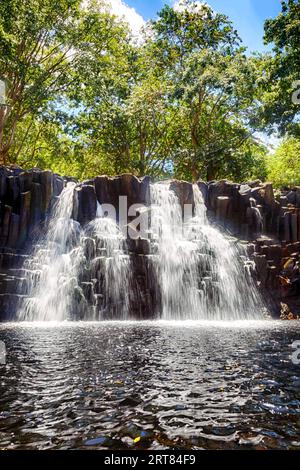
{"type": "Point", "coordinates": [71, 257]}
{"type": "Point", "coordinates": [200, 272]}
{"type": "Point", "coordinates": [114, 265]}
{"type": "Point", "coordinates": [52, 270]}
{"type": "Point", "coordinates": [84, 273]}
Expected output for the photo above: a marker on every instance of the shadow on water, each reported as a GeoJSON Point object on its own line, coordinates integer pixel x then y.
{"type": "Point", "coordinates": [149, 385]}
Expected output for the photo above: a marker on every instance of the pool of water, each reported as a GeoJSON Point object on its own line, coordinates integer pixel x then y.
{"type": "Point", "coordinates": [155, 385]}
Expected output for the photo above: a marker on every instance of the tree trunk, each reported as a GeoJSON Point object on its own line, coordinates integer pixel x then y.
{"type": "Point", "coordinates": [3, 156]}
{"type": "Point", "coordinates": [210, 172]}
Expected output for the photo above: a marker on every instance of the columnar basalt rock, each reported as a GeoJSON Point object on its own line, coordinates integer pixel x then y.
{"type": "Point", "coordinates": [242, 208]}
{"type": "Point", "coordinates": [269, 220]}
{"type": "Point", "coordinates": [184, 192]}
{"type": "Point", "coordinates": [85, 204]}
{"type": "Point", "coordinates": [278, 275]}
{"type": "Point", "coordinates": [109, 190]}
{"type": "Point", "coordinates": [25, 199]}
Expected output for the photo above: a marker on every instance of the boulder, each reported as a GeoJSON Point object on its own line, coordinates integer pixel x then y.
{"type": "Point", "coordinates": [264, 194]}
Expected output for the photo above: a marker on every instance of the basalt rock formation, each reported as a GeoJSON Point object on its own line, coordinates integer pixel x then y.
{"type": "Point", "coordinates": [27, 197]}
{"type": "Point", "coordinates": [250, 211]}
{"type": "Point", "coordinates": [271, 224]}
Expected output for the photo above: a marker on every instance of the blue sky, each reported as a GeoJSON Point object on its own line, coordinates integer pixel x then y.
{"type": "Point", "coordinates": [248, 16]}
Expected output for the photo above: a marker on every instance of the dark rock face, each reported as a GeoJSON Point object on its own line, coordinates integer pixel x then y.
{"type": "Point", "coordinates": [242, 208]}
{"type": "Point", "coordinates": [184, 192]}
{"type": "Point", "coordinates": [25, 198]}
{"type": "Point", "coordinates": [109, 190]}
{"type": "Point", "coordinates": [278, 275]}
{"type": "Point", "coordinates": [85, 204]}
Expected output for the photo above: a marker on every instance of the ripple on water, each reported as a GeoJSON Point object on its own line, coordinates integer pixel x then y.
{"type": "Point", "coordinates": [150, 385]}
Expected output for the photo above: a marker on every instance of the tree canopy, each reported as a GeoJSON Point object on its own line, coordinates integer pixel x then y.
{"type": "Point", "coordinates": [280, 93]}
{"type": "Point", "coordinates": [84, 97]}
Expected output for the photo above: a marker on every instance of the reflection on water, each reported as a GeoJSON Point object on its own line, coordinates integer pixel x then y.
{"type": "Point", "coordinates": [149, 385]}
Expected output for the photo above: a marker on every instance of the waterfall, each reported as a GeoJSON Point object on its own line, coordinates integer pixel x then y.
{"type": "Point", "coordinates": [200, 273]}
{"type": "Point", "coordinates": [176, 263]}
{"type": "Point", "coordinates": [192, 270]}
{"type": "Point", "coordinates": [75, 272]}
{"type": "Point", "coordinates": [109, 267]}
{"type": "Point", "coordinates": [51, 271]}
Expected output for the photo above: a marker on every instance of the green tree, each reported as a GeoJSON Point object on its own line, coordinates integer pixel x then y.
{"type": "Point", "coordinates": [35, 57]}
{"type": "Point", "coordinates": [213, 86]}
{"type": "Point", "coordinates": [280, 72]}
{"type": "Point", "coordinates": [46, 50]}
{"type": "Point", "coordinates": [283, 166]}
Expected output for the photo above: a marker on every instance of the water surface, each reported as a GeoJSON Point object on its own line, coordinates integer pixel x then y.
{"type": "Point", "coordinates": [153, 385]}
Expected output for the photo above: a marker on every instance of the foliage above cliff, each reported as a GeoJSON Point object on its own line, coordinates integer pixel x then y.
{"type": "Point", "coordinates": [84, 97]}
{"type": "Point", "coordinates": [284, 166]}
{"type": "Point", "coordinates": [280, 102]}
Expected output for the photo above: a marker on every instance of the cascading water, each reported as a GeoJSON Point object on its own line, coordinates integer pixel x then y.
{"type": "Point", "coordinates": [77, 272]}
{"type": "Point", "coordinates": [52, 270]}
{"type": "Point", "coordinates": [200, 273]}
{"type": "Point", "coordinates": [109, 267]}
{"type": "Point", "coordinates": [176, 262]}
{"type": "Point", "coordinates": [91, 272]}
